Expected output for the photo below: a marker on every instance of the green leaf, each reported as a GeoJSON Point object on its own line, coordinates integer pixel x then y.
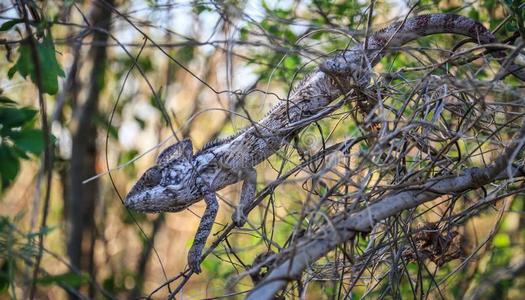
{"type": "Point", "coordinates": [69, 279]}
{"type": "Point", "coordinates": [474, 14]}
{"type": "Point", "coordinates": [109, 284]}
{"type": "Point", "coordinates": [49, 67]}
{"type": "Point", "coordinates": [9, 24]}
{"type": "Point", "coordinates": [10, 166]}
{"type": "Point", "coordinates": [450, 9]}
{"type": "Point", "coordinates": [512, 26]}
{"type": "Point", "coordinates": [291, 62]}
{"type": "Point", "coordinates": [244, 34]}
{"type": "Point", "coordinates": [4, 277]}
{"type": "Point", "coordinates": [11, 72]}
{"type": "Point", "coordinates": [199, 8]}
{"type": "Point", "coordinates": [23, 65]}
{"type": "Point", "coordinates": [6, 101]}
{"type": "Point", "coordinates": [29, 140]}
{"type": "Point", "coordinates": [16, 117]}
{"type": "Point", "coordinates": [141, 122]}
{"type": "Point", "coordinates": [20, 153]}
{"type": "Point", "coordinates": [43, 231]}
{"type": "Point", "coordinates": [127, 156]}
{"type": "Point", "coordinates": [502, 240]}
{"type": "Point", "coordinates": [211, 265]}
{"type": "Point", "coordinates": [185, 53]}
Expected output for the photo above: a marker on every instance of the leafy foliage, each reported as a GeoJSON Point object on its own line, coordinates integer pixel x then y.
{"type": "Point", "coordinates": [68, 279]}
{"type": "Point", "coordinates": [16, 247]}
{"type": "Point", "coordinates": [49, 67]}
{"type": "Point", "coordinates": [19, 138]}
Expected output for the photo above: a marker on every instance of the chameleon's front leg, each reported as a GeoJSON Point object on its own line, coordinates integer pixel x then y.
{"type": "Point", "coordinates": [248, 190]}
{"type": "Point", "coordinates": [195, 253]}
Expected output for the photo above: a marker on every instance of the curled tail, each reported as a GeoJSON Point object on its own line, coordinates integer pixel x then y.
{"type": "Point", "coordinates": [400, 33]}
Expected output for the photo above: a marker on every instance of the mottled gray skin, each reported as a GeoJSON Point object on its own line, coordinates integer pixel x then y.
{"type": "Point", "coordinates": [181, 178]}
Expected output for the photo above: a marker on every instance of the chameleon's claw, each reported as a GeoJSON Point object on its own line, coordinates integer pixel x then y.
{"type": "Point", "coordinates": [194, 260]}
{"type": "Point", "coordinates": [247, 195]}
{"type": "Point", "coordinates": [195, 253]}
{"type": "Point", "coordinates": [239, 217]}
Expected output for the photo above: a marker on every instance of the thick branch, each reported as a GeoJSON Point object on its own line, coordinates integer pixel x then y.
{"type": "Point", "coordinates": [345, 226]}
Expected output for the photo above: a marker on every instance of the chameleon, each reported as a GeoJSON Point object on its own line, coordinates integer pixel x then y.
{"type": "Point", "coordinates": [181, 177]}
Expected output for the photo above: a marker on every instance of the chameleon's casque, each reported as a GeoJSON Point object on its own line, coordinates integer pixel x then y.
{"type": "Point", "coordinates": [167, 186]}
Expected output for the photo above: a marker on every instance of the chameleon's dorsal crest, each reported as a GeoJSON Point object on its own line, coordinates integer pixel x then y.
{"type": "Point", "coordinates": [176, 151]}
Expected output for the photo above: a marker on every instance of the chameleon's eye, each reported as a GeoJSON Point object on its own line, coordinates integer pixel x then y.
{"type": "Point", "coordinates": [152, 176]}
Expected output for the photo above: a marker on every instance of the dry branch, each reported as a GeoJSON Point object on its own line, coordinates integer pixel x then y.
{"type": "Point", "coordinates": [345, 226]}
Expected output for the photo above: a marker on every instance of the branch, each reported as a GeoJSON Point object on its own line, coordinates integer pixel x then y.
{"type": "Point", "coordinates": [345, 226]}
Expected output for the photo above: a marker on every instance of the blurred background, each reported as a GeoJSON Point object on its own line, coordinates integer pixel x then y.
{"type": "Point", "coordinates": [118, 79]}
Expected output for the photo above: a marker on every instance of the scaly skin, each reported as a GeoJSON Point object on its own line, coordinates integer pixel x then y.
{"type": "Point", "coordinates": [181, 178]}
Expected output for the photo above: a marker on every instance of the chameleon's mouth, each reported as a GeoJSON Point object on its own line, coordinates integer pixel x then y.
{"type": "Point", "coordinates": [157, 199]}
{"type": "Point", "coordinates": [145, 201]}
{"type": "Point", "coordinates": [133, 203]}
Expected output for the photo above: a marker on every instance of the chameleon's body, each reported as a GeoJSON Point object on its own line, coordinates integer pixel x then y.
{"type": "Point", "coordinates": [181, 178]}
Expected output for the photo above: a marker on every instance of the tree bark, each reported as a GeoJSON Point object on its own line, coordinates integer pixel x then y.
{"type": "Point", "coordinates": [82, 197]}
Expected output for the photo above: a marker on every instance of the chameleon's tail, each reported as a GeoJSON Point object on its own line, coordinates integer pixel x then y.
{"type": "Point", "coordinates": [403, 32]}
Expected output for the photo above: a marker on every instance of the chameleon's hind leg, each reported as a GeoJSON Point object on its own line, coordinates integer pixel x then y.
{"type": "Point", "coordinates": [247, 195]}
{"type": "Point", "coordinates": [194, 256]}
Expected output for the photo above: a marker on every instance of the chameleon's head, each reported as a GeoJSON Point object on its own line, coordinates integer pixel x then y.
{"type": "Point", "coordinates": [167, 186]}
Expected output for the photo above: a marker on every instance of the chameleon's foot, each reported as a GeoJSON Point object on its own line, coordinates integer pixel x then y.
{"type": "Point", "coordinates": [194, 260]}
{"type": "Point", "coordinates": [247, 196]}
{"type": "Point", "coordinates": [239, 217]}
{"type": "Point", "coordinates": [195, 253]}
